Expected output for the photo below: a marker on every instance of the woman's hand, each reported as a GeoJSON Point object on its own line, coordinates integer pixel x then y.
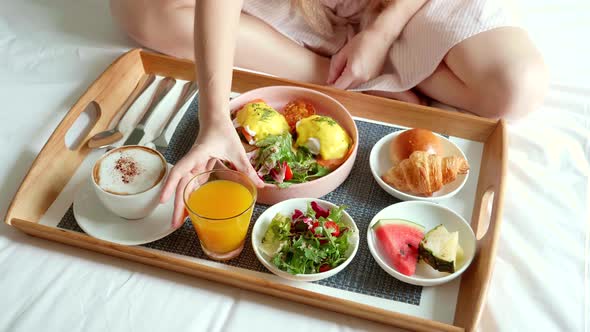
{"type": "Point", "coordinates": [216, 141]}
{"type": "Point", "coordinates": [362, 58]}
{"type": "Point", "coordinates": [359, 61]}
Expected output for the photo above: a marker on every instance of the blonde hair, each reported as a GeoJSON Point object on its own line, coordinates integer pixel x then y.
{"type": "Point", "coordinates": [317, 17]}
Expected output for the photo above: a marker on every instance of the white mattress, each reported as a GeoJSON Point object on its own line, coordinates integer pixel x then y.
{"type": "Point", "coordinates": [50, 51]}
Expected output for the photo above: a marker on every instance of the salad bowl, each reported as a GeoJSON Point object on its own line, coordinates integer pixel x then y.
{"type": "Point", "coordinates": [287, 208]}
{"type": "Point", "coordinates": [277, 97]}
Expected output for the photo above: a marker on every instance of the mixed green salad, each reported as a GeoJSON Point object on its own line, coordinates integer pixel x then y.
{"type": "Point", "coordinates": [311, 242]}
{"type": "Point", "coordinates": [277, 162]}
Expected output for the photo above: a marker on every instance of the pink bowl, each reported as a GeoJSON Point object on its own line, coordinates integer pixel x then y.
{"type": "Point", "coordinates": [278, 97]}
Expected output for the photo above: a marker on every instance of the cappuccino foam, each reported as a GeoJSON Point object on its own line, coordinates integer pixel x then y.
{"type": "Point", "coordinates": [128, 171]}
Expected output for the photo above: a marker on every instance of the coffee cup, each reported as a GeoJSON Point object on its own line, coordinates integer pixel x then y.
{"type": "Point", "coordinates": [128, 180]}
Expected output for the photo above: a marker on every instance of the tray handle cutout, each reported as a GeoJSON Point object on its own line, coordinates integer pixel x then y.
{"type": "Point", "coordinates": [78, 132]}
{"type": "Point", "coordinates": [485, 213]}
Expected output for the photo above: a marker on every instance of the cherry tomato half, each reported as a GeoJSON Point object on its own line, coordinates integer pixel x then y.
{"type": "Point", "coordinates": [288, 173]}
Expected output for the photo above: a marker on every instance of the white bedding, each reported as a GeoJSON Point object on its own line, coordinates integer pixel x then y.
{"type": "Point", "coordinates": [50, 51]}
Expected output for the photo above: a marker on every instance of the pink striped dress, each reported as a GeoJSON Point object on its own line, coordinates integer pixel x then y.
{"type": "Point", "coordinates": [426, 39]}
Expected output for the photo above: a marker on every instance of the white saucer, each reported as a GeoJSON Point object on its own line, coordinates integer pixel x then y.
{"type": "Point", "coordinates": [97, 221]}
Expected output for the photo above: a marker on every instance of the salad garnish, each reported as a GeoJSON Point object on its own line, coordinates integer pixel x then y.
{"type": "Point", "coordinates": [276, 162]}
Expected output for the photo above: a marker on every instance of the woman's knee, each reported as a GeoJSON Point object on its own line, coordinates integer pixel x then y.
{"type": "Point", "coordinates": [134, 17]}
{"type": "Point", "coordinates": [514, 89]}
{"type": "Point", "coordinates": [503, 71]}
{"type": "Point", "coordinates": [142, 19]}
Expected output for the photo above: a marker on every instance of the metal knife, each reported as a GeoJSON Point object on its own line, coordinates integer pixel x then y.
{"type": "Point", "coordinates": [164, 86]}
{"type": "Point", "coordinates": [188, 91]}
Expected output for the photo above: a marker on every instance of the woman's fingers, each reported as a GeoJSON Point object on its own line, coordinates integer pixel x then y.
{"type": "Point", "coordinates": [178, 214]}
{"type": "Point", "coordinates": [197, 161]}
{"type": "Point", "coordinates": [243, 165]}
{"type": "Point", "coordinates": [210, 164]}
{"type": "Point", "coordinates": [337, 65]}
{"type": "Point", "coordinates": [185, 183]}
{"type": "Point", "coordinates": [170, 184]}
{"type": "Point", "coordinates": [182, 167]}
{"type": "Point", "coordinates": [345, 80]}
{"type": "Point", "coordinates": [180, 175]}
{"type": "Point", "coordinates": [177, 172]}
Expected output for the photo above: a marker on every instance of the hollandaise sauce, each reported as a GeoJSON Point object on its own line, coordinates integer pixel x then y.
{"type": "Point", "coordinates": [324, 136]}
{"type": "Point", "coordinates": [260, 120]}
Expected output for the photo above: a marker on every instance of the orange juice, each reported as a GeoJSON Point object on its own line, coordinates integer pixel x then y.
{"type": "Point", "coordinates": [219, 217]}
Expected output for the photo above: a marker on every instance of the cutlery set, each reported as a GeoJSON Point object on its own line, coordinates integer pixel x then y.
{"type": "Point", "coordinates": [139, 134]}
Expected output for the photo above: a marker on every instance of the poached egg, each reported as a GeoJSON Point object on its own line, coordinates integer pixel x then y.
{"type": "Point", "coordinates": [260, 120]}
{"type": "Point", "coordinates": [323, 136]}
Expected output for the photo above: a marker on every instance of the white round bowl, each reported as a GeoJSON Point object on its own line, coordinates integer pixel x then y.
{"type": "Point", "coordinates": [429, 215]}
{"type": "Point", "coordinates": [380, 162]}
{"type": "Point", "coordinates": [287, 207]}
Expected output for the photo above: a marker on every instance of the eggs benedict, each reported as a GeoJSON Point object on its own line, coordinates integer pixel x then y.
{"type": "Point", "coordinates": [257, 120]}
{"type": "Point", "coordinates": [323, 136]}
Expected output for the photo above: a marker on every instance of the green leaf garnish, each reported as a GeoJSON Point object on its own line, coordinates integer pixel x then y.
{"type": "Point", "coordinates": [279, 148]}
{"type": "Point", "coordinates": [303, 251]}
{"type": "Point", "coordinates": [325, 119]}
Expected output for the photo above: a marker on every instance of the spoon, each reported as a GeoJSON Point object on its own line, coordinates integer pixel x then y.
{"type": "Point", "coordinates": [108, 137]}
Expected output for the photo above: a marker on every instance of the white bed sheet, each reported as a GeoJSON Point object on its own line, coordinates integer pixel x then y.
{"type": "Point", "coordinates": [50, 51]}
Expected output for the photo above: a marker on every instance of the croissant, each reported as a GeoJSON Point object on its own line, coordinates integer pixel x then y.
{"type": "Point", "coordinates": [425, 173]}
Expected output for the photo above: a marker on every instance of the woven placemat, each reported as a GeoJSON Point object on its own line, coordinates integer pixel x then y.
{"type": "Point", "coordinates": [360, 192]}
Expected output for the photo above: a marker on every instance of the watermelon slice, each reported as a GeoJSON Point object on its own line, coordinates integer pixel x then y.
{"type": "Point", "coordinates": [399, 240]}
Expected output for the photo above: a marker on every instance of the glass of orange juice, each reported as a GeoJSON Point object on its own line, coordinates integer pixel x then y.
{"type": "Point", "coordinates": [219, 204]}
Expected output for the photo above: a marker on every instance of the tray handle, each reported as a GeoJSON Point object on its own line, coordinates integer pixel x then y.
{"type": "Point", "coordinates": [486, 221]}
{"type": "Point", "coordinates": [484, 217]}
{"type": "Point", "coordinates": [55, 164]}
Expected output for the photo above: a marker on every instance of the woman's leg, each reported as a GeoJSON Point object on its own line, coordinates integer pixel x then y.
{"type": "Point", "coordinates": [167, 26]}
{"type": "Point", "coordinates": [407, 96]}
{"type": "Point", "coordinates": [497, 73]}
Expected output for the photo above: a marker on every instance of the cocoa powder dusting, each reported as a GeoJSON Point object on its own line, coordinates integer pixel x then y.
{"type": "Point", "coordinates": [128, 168]}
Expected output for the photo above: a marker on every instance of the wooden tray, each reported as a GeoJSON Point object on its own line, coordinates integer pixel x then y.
{"type": "Point", "coordinates": [56, 164]}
